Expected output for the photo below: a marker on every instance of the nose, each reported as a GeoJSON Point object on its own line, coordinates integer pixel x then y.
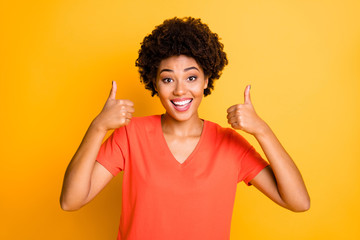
{"type": "Point", "coordinates": [180, 88]}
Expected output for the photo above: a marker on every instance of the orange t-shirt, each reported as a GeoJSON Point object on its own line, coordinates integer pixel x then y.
{"type": "Point", "coordinates": [163, 199]}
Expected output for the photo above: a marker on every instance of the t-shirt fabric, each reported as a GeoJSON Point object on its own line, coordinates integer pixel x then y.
{"type": "Point", "coordinates": [164, 199]}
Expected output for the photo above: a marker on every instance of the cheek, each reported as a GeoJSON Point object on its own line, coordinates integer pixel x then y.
{"type": "Point", "coordinates": [163, 92]}
{"type": "Point", "coordinates": [199, 90]}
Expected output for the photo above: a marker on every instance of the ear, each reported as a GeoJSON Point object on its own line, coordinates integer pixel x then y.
{"type": "Point", "coordinates": [206, 83]}
{"type": "Point", "coordinates": [154, 83]}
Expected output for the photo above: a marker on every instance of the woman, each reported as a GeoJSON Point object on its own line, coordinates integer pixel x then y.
{"type": "Point", "coordinates": [180, 171]}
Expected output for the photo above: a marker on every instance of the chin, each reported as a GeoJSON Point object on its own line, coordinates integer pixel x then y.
{"type": "Point", "coordinates": [181, 116]}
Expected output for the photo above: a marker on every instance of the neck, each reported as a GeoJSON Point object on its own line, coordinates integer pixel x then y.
{"type": "Point", "coordinates": [191, 127]}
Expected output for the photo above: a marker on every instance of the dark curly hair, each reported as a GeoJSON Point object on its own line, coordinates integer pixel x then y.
{"type": "Point", "coordinates": [181, 36]}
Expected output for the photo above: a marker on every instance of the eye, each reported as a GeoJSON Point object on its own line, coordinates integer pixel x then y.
{"type": "Point", "coordinates": [192, 78]}
{"type": "Point", "coordinates": [167, 80]}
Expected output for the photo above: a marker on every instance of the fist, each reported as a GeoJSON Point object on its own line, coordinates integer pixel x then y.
{"type": "Point", "coordinates": [116, 112]}
{"type": "Point", "coordinates": [243, 116]}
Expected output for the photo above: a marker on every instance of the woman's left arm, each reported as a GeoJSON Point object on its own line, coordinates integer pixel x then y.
{"type": "Point", "coordinates": [281, 181]}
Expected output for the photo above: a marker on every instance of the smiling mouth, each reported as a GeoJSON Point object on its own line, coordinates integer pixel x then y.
{"type": "Point", "coordinates": [181, 105]}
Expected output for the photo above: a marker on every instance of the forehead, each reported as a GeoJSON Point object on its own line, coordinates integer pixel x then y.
{"type": "Point", "coordinates": [178, 63]}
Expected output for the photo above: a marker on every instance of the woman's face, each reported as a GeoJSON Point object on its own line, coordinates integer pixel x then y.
{"type": "Point", "coordinates": [180, 84]}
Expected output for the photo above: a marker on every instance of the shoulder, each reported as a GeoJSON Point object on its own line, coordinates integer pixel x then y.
{"type": "Point", "coordinates": [141, 124]}
{"type": "Point", "coordinates": [139, 127]}
{"type": "Point", "coordinates": [226, 135]}
{"type": "Point", "coordinates": [220, 131]}
{"type": "Point", "coordinates": [146, 120]}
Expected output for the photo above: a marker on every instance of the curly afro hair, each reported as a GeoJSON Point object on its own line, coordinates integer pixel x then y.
{"type": "Point", "coordinates": [181, 36]}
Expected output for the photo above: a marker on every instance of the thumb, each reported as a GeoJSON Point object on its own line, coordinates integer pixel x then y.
{"type": "Point", "coordinates": [113, 90]}
{"type": "Point", "coordinates": [247, 95]}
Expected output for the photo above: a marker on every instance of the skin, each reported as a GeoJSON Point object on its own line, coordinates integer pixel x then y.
{"type": "Point", "coordinates": [180, 78]}
{"type": "Point", "coordinates": [84, 177]}
{"type": "Point", "coordinates": [281, 181]}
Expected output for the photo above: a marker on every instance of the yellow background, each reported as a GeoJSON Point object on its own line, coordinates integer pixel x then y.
{"type": "Point", "coordinates": [58, 59]}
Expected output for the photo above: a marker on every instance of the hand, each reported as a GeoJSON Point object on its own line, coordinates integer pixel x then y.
{"type": "Point", "coordinates": [115, 113]}
{"type": "Point", "coordinates": [244, 117]}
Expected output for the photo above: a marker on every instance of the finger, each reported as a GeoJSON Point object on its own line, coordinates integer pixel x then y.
{"type": "Point", "coordinates": [125, 102]}
{"type": "Point", "coordinates": [231, 109]}
{"type": "Point", "coordinates": [236, 109]}
{"type": "Point", "coordinates": [234, 114]}
{"type": "Point", "coordinates": [247, 95]}
{"type": "Point", "coordinates": [127, 121]}
{"type": "Point", "coordinates": [233, 120]}
{"type": "Point", "coordinates": [125, 114]}
{"type": "Point", "coordinates": [128, 115]}
{"type": "Point", "coordinates": [231, 114]}
{"type": "Point", "coordinates": [128, 103]}
{"type": "Point", "coordinates": [234, 124]}
{"type": "Point", "coordinates": [113, 90]}
{"type": "Point", "coordinates": [126, 108]}
{"type": "Point", "coordinates": [130, 109]}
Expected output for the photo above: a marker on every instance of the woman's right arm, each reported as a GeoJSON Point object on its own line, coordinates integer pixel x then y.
{"type": "Point", "coordinates": [84, 177]}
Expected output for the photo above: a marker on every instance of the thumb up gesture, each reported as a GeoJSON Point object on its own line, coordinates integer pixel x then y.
{"type": "Point", "coordinates": [116, 112]}
{"type": "Point", "coordinates": [244, 117]}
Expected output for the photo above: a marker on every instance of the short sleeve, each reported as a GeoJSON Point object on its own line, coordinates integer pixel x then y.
{"type": "Point", "coordinates": [113, 152]}
{"type": "Point", "coordinates": [251, 164]}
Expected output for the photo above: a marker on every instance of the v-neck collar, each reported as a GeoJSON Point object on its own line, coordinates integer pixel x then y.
{"type": "Point", "coordinates": [189, 159]}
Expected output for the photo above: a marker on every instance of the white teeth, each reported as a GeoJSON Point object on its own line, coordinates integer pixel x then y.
{"type": "Point", "coordinates": [182, 103]}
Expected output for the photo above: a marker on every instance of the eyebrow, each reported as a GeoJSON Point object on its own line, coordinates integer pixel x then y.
{"type": "Point", "coordinates": [185, 70]}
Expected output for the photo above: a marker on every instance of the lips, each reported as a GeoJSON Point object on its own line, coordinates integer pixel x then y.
{"type": "Point", "coordinates": [181, 104]}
